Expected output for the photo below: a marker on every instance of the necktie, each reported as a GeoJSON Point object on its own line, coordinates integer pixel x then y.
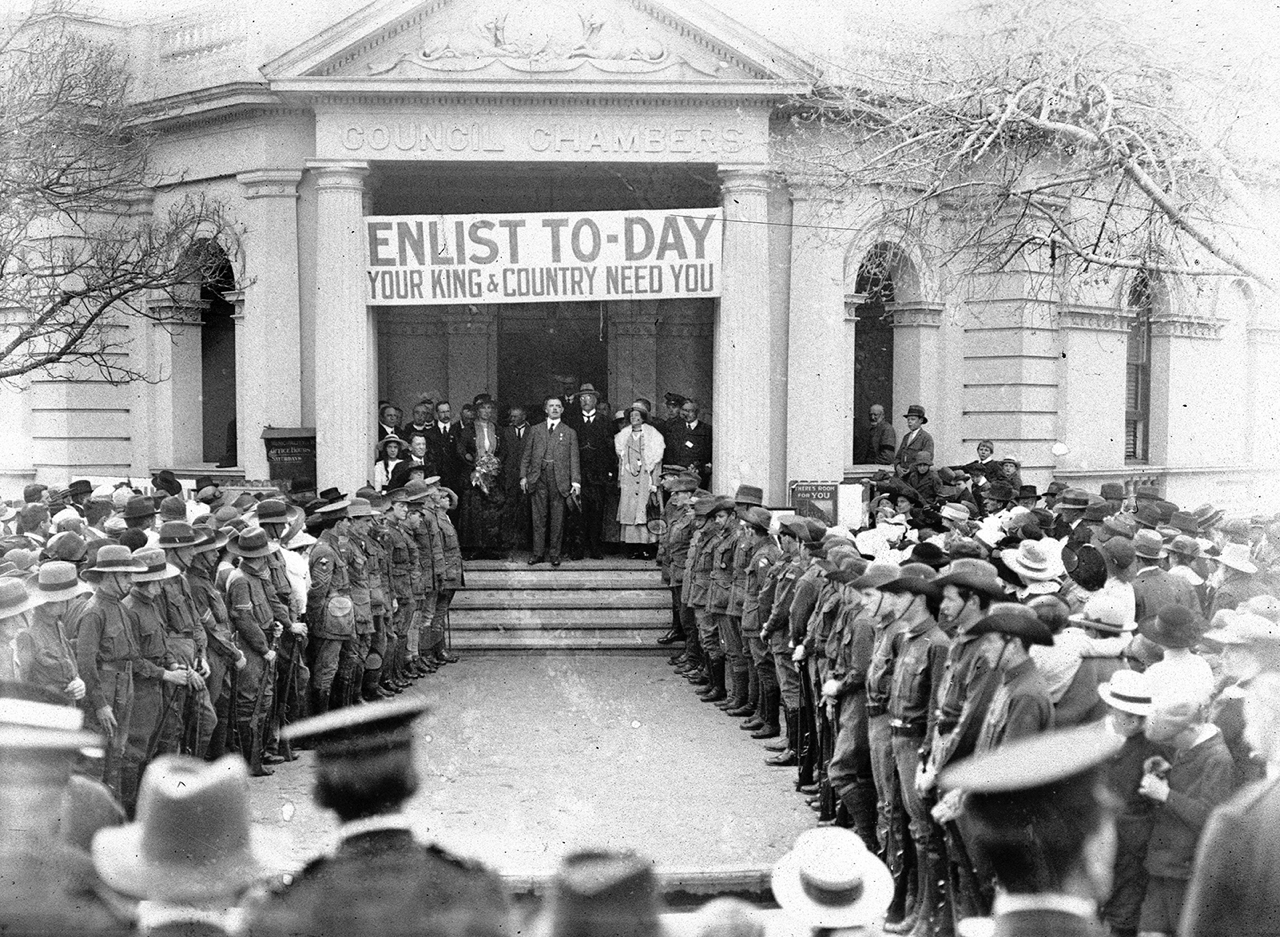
{"type": "Point", "coordinates": [689, 425]}
{"type": "Point", "coordinates": [553, 424]}
{"type": "Point", "coordinates": [590, 418]}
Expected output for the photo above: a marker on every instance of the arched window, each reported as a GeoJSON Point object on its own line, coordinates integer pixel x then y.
{"type": "Point", "coordinates": [1137, 395]}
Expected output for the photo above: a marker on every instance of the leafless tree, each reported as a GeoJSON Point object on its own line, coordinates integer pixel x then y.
{"type": "Point", "coordinates": [80, 252]}
{"type": "Point", "coordinates": [1054, 131]}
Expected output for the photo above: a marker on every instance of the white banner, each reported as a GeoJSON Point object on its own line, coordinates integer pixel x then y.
{"type": "Point", "coordinates": [430, 260]}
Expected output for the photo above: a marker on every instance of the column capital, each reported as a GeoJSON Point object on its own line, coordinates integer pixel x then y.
{"type": "Point", "coordinates": [338, 173]}
{"type": "Point", "coordinates": [167, 311]}
{"type": "Point", "coordinates": [1094, 318]}
{"type": "Point", "coordinates": [916, 315]}
{"type": "Point", "coordinates": [270, 183]}
{"type": "Point", "coordinates": [811, 187]}
{"type": "Point", "coordinates": [745, 178]}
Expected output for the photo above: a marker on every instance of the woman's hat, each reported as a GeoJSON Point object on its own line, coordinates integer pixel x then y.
{"type": "Point", "coordinates": [14, 598]}
{"type": "Point", "coordinates": [155, 567]}
{"type": "Point", "coordinates": [1236, 556]}
{"type": "Point", "coordinates": [56, 582]}
{"type": "Point", "coordinates": [1033, 561]}
{"type": "Point", "coordinates": [953, 511]}
{"type": "Point", "coordinates": [916, 410]}
{"type": "Point", "coordinates": [1128, 691]}
{"type": "Point", "coordinates": [113, 558]}
{"type": "Point", "coordinates": [830, 879]}
{"type": "Point", "coordinates": [382, 443]}
{"type": "Point", "coordinates": [1174, 627]}
{"type": "Point", "coordinates": [250, 543]}
{"type": "Point", "coordinates": [194, 839]}
{"type": "Point", "coordinates": [638, 405]}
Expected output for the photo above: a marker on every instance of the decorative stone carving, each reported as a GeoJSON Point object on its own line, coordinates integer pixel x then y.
{"type": "Point", "coordinates": [1186, 327]}
{"type": "Point", "coordinates": [166, 312]}
{"type": "Point", "coordinates": [916, 315]}
{"type": "Point", "coordinates": [1094, 320]}
{"type": "Point", "coordinates": [541, 36]}
{"type": "Point", "coordinates": [1264, 335]}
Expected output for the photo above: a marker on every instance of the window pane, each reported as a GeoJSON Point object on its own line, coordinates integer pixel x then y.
{"type": "Point", "coordinates": [1131, 439]}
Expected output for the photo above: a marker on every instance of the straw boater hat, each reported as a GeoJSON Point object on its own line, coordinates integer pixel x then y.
{"type": "Point", "coordinates": [57, 582]}
{"type": "Point", "coordinates": [391, 438]}
{"type": "Point", "coordinates": [830, 879]}
{"type": "Point", "coordinates": [156, 569]}
{"type": "Point", "coordinates": [193, 839]}
{"type": "Point", "coordinates": [1128, 691]}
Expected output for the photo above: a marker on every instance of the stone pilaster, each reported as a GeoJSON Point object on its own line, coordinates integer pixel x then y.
{"type": "Point", "coordinates": [633, 353]}
{"type": "Point", "coordinates": [917, 359]}
{"type": "Point", "coordinates": [175, 365]}
{"type": "Point", "coordinates": [268, 336]}
{"type": "Point", "coordinates": [472, 333]}
{"type": "Point", "coordinates": [1093, 343]}
{"type": "Point", "coordinates": [344, 405]}
{"type": "Point", "coordinates": [819, 418]}
{"type": "Point", "coordinates": [742, 337]}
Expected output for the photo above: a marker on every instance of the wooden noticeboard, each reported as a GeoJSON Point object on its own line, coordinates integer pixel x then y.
{"type": "Point", "coordinates": [291, 457]}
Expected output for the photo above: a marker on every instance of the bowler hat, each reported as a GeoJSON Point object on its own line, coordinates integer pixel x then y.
{"type": "Point", "coordinates": [1174, 627]}
{"type": "Point", "coordinates": [749, 494]}
{"type": "Point", "coordinates": [165, 480]}
{"type": "Point", "coordinates": [1014, 620]}
{"type": "Point", "coordinates": [114, 558]}
{"type": "Point", "coordinates": [1128, 691]}
{"type": "Point", "coordinates": [194, 838]}
{"type": "Point", "coordinates": [156, 569]}
{"type": "Point", "coordinates": [916, 410]}
{"type": "Point", "coordinates": [589, 389]}
{"type": "Point", "coordinates": [139, 506]}
{"type": "Point", "coordinates": [830, 879]}
{"type": "Point", "coordinates": [251, 542]}
{"type": "Point", "coordinates": [1028, 491]}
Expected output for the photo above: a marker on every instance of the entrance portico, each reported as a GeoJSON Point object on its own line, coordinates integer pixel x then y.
{"type": "Point", "coordinates": [679, 101]}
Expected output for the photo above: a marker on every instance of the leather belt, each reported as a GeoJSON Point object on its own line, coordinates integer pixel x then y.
{"type": "Point", "coordinates": [902, 727]}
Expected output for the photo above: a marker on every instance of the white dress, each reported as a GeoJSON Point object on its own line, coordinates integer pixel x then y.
{"type": "Point", "coordinates": [639, 461]}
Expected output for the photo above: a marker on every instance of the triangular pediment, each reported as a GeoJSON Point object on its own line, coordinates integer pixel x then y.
{"type": "Point", "coordinates": [673, 44]}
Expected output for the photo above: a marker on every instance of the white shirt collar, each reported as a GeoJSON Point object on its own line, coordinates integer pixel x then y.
{"type": "Point", "coordinates": [551, 424]}
{"type": "Point", "coordinates": [691, 424]}
{"type": "Point", "coordinates": [1006, 903]}
{"type": "Point", "coordinates": [588, 413]}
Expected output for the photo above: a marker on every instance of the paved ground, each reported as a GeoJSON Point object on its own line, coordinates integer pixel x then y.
{"type": "Point", "coordinates": [525, 758]}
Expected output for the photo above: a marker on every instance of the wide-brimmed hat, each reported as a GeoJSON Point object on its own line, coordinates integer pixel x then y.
{"type": "Point", "coordinates": [1075, 499]}
{"type": "Point", "coordinates": [1105, 612]}
{"type": "Point", "coordinates": [1207, 516]}
{"type": "Point", "coordinates": [637, 405]}
{"type": "Point", "coordinates": [391, 438]}
{"type": "Point", "coordinates": [14, 598]}
{"type": "Point", "coordinates": [56, 582]}
{"type": "Point", "coordinates": [1147, 515]}
{"type": "Point", "coordinates": [139, 506]}
{"type": "Point", "coordinates": [930, 554]}
{"type": "Point", "coordinates": [1149, 545]}
{"type": "Point", "coordinates": [749, 494]}
{"type": "Point", "coordinates": [830, 879]}
{"type": "Point", "coordinates": [1016, 621]}
{"type": "Point", "coordinates": [1034, 561]}
{"type": "Point", "coordinates": [210, 538]}
{"type": "Point", "coordinates": [974, 575]}
{"type": "Point", "coordinates": [916, 410]}
{"type": "Point", "coordinates": [176, 534]}
{"type": "Point", "coordinates": [1174, 627]}
{"type": "Point", "coordinates": [1129, 691]}
{"type": "Point", "coordinates": [156, 569]}
{"type": "Point", "coordinates": [68, 545]}
{"type": "Point", "coordinates": [757, 517]}
{"type": "Point", "coordinates": [35, 721]}
{"type": "Point", "coordinates": [114, 558]}
{"type": "Point", "coordinates": [359, 507]}
{"type": "Point", "coordinates": [194, 838]}
{"type": "Point", "coordinates": [251, 542]}
{"type": "Point", "coordinates": [877, 575]}
{"type": "Point", "coordinates": [708, 506]}
{"type": "Point", "coordinates": [1236, 556]}
{"type": "Point", "coordinates": [916, 578]}
{"type": "Point", "coordinates": [415, 489]}
{"type": "Point", "coordinates": [165, 480]}
{"type": "Point", "coordinates": [1184, 545]}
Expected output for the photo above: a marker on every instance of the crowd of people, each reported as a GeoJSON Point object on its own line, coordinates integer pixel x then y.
{"type": "Point", "coordinates": [970, 612]}
{"type": "Point", "coordinates": [576, 481]}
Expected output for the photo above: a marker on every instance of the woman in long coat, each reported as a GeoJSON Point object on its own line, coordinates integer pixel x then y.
{"type": "Point", "coordinates": [639, 447]}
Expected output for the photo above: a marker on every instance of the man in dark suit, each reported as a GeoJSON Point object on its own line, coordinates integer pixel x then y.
{"type": "Point", "coordinates": [549, 473]}
{"type": "Point", "coordinates": [388, 420]}
{"type": "Point", "coordinates": [515, 517]}
{"type": "Point", "coordinates": [379, 879]}
{"type": "Point", "coordinates": [914, 440]}
{"type": "Point", "coordinates": [882, 441]}
{"type": "Point", "coordinates": [598, 462]}
{"type": "Point", "coordinates": [442, 449]}
{"type": "Point", "coordinates": [420, 420]}
{"type": "Point", "coordinates": [689, 442]}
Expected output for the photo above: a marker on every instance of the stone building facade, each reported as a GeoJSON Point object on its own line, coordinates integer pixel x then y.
{"type": "Point", "coordinates": [432, 107]}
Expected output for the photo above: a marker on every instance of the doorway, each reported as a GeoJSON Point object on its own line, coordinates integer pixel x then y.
{"type": "Point", "coordinates": [218, 359]}
{"type": "Point", "coordinates": [873, 347]}
{"type": "Point", "coordinates": [550, 348]}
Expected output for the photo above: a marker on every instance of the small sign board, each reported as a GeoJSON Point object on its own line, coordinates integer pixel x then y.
{"type": "Point", "coordinates": [815, 499]}
{"type": "Point", "coordinates": [291, 457]}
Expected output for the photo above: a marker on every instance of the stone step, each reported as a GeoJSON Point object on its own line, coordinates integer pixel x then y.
{"type": "Point", "coordinates": [630, 640]}
{"type": "Point", "coordinates": [548, 578]}
{"type": "Point", "coordinates": [481, 619]}
{"type": "Point", "coordinates": [560, 598]}
{"type": "Point", "coordinates": [517, 565]}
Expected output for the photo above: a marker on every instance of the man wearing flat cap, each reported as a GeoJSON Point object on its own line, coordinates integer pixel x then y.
{"type": "Point", "coordinates": [380, 879]}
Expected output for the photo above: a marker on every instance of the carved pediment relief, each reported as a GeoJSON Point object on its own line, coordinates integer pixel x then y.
{"type": "Point", "coordinates": [579, 39]}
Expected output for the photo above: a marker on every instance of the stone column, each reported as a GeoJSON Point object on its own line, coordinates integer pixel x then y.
{"type": "Point", "coordinates": [1183, 348]}
{"type": "Point", "coordinates": [742, 349]}
{"type": "Point", "coordinates": [268, 337]}
{"type": "Point", "coordinates": [849, 347]}
{"type": "Point", "coordinates": [344, 409]}
{"type": "Point", "coordinates": [916, 359]}
{"type": "Point", "coordinates": [472, 353]}
{"type": "Point", "coordinates": [175, 364]}
{"type": "Point", "coordinates": [819, 424]}
{"type": "Point", "coordinates": [633, 353]}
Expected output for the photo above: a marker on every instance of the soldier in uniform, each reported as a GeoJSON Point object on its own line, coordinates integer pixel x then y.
{"type": "Point", "coordinates": [349, 685]}
{"type": "Point", "coordinates": [718, 511]}
{"type": "Point", "coordinates": [1039, 813]}
{"type": "Point", "coordinates": [330, 614]}
{"type": "Point", "coordinates": [673, 552]}
{"type": "Point", "coordinates": [775, 597]}
{"type": "Point", "coordinates": [380, 879]}
{"type": "Point", "coordinates": [686, 543]}
{"type": "Point", "coordinates": [426, 534]}
{"type": "Point", "coordinates": [258, 630]}
{"type": "Point", "coordinates": [448, 574]}
{"type": "Point", "coordinates": [273, 515]}
{"type": "Point", "coordinates": [762, 552]}
{"type": "Point", "coordinates": [804, 600]}
{"type": "Point", "coordinates": [744, 545]}
{"type": "Point", "coordinates": [402, 554]}
{"type": "Point", "coordinates": [45, 656]}
{"type": "Point", "coordinates": [720, 585]}
{"type": "Point", "coordinates": [186, 637]}
{"type": "Point", "coordinates": [225, 659]}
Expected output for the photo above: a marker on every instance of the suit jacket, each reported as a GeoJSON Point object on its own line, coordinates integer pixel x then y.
{"type": "Point", "coordinates": [595, 447]}
{"type": "Point", "coordinates": [560, 448]}
{"type": "Point", "coordinates": [383, 882]}
{"type": "Point", "coordinates": [922, 442]}
{"type": "Point", "coordinates": [1155, 588]}
{"type": "Point", "coordinates": [513, 444]}
{"type": "Point", "coordinates": [688, 446]}
{"type": "Point", "coordinates": [1235, 889]}
{"type": "Point", "coordinates": [442, 454]}
{"type": "Point", "coordinates": [882, 442]}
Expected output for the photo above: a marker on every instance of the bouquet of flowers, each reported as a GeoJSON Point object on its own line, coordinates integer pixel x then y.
{"type": "Point", "coordinates": [485, 472]}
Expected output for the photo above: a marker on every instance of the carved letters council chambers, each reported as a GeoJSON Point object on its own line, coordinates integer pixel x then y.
{"type": "Point", "coordinates": [422, 139]}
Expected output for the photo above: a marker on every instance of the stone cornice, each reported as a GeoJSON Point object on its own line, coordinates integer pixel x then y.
{"type": "Point", "coordinates": [1094, 319]}
{"type": "Point", "coordinates": [270, 183]}
{"type": "Point", "coordinates": [745, 179]}
{"type": "Point", "coordinates": [1259, 334]}
{"type": "Point", "coordinates": [622, 90]}
{"type": "Point", "coordinates": [1185, 327]}
{"type": "Point", "coordinates": [915, 315]}
{"type": "Point", "coordinates": [169, 312]}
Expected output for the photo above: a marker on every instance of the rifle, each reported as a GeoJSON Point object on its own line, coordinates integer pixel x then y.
{"type": "Point", "coordinates": [282, 704]}
{"type": "Point", "coordinates": [259, 708]}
